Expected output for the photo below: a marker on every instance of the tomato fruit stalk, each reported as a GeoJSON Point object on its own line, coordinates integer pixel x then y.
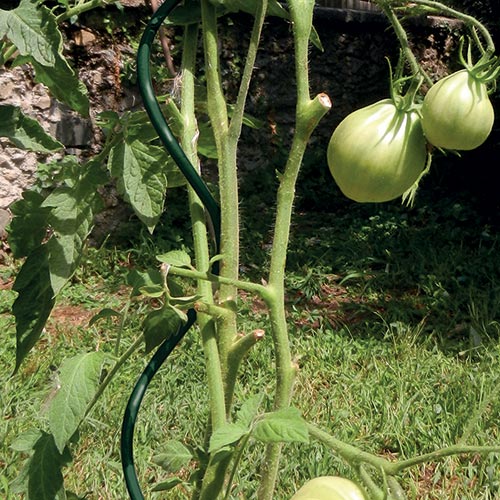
{"type": "Point", "coordinates": [377, 152]}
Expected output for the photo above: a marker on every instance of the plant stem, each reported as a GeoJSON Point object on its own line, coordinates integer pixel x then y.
{"type": "Point", "coordinates": [348, 452]}
{"type": "Point", "coordinates": [109, 377]}
{"type": "Point", "coordinates": [121, 327]}
{"type": "Point", "coordinates": [468, 20]}
{"type": "Point", "coordinates": [213, 278]}
{"type": "Point", "coordinates": [403, 41]}
{"type": "Point", "coordinates": [228, 181]}
{"type": "Point", "coordinates": [81, 8]}
{"type": "Point", "coordinates": [355, 456]}
{"type": "Point", "coordinates": [239, 108]}
{"type": "Point", "coordinates": [458, 449]}
{"type": "Point", "coordinates": [9, 51]}
{"type": "Point", "coordinates": [308, 114]}
{"type": "Point", "coordinates": [201, 245]}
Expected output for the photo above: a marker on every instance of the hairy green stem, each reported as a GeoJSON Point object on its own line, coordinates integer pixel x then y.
{"type": "Point", "coordinates": [121, 327]}
{"type": "Point", "coordinates": [468, 20]}
{"type": "Point", "coordinates": [403, 41]}
{"type": "Point", "coordinates": [230, 163]}
{"type": "Point", "coordinates": [9, 51]}
{"type": "Point", "coordinates": [220, 280]}
{"type": "Point", "coordinates": [308, 114]}
{"type": "Point", "coordinates": [239, 108]}
{"type": "Point", "coordinates": [208, 330]}
{"type": "Point", "coordinates": [109, 377]}
{"type": "Point", "coordinates": [228, 182]}
{"type": "Point", "coordinates": [355, 456]}
{"type": "Point", "coordinates": [458, 449]}
{"type": "Point", "coordinates": [81, 8]}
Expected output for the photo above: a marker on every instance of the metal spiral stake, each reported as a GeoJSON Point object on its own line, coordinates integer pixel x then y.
{"type": "Point", "coordinates": [169, 141]}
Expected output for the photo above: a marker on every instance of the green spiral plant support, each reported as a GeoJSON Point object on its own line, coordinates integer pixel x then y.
{"type": "Point", "coordinates": [171, 144]}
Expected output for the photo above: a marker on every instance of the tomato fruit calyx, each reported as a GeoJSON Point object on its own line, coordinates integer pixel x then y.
{"type": "Point", "coordinates": [486, 70]}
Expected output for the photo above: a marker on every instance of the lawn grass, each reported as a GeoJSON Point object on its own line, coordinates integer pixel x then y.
{"type": "Point", "coordinates": [394, 318]}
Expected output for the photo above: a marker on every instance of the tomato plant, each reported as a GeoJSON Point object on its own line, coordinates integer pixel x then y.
{"type": "Point", "coordinates": [377, 152]}
{"type": "Point", "coordinates": [329, 488]}
{"type": "Point", "coordinates": [375, 155]}
{"type": "Point", "coordinates": [457, 112]}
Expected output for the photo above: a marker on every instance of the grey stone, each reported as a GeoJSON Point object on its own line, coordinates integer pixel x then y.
{"type": "Point", "coordinates": [4, 222]}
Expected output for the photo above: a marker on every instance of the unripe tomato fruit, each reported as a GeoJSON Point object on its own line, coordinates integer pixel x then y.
{"type": "Point", "coordinates": [377, 152]}
{"type": "Point", "coordinates": [457, 112]}
{"type": "Point", "coordinates": [329, 488]}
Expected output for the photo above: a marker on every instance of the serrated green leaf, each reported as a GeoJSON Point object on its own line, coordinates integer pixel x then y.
{"type": "Point", "coordinates": [160, 325]}
{"type": "Point", "coordinates": [189, 13]}
{"type": "Point", "coordinates": [26, 441]}
{"type": "Point", "coordinates": [248, 411]}
{"type": "Point", "coordinates": [282, 426]}
{"type": "Point", "coordinates": [176, 258]}
{"type": "Point", "coordinates": [62, 82]}
{"type": "Point", "coordinates": [175, 457]}
{"type": "Point", "coordinates": [154, 291]}
{"type": "Point", "coordinates": [167, 484]}
{"type": "Point", "coordinates": [20, 484]}
{"type": "Point", "coordinates": [139, 170]}
{"type": "Point", "coordinates": [25, 132]}
{"type": "Point", "coordinates": [28, 226]}
{"type": "Point", "coordinates": [227, 435]}
{"type": "Point", "coordinates": [104, 314]}
{"type": "Point", "coordinates": [34, 302]}
{"type": "Point", "coordinates": [33, 30]}
{"type": "Point", "coordinates": [79, 379]}
{"type": "Point", "coordinates": [71, 219]}
{"type": "Point", "coordinates": [137, 280]}
{"type": "Point", "coordinates": [45, 478]}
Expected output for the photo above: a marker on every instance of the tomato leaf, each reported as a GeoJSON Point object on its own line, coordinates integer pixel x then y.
{"type": "Point", "coordinates": [62, 82]}
{"type": "Point", "coordinates": [160, 325]}
{"type": "Point", "coordinates": [176, 258]}
{"type": "Point", "coordinates": [153, 291]}
{"type": "Point", "coordinates": [33, 30]}
{"type": "Point", "coordinates": [79, 379]}
{"type": "Point", "coordinates": [282, 426]}
{"type": "Point", "coordinates": [137, 280]}
{"type": "Point", "coordinates": [25, 132]}
{"type": "Point", "coordinates": [34, 302]}
{"type": "Point", "coordinates": [226, 435]}
{"type": "Point", "coordinates": [45, 478]}
{"type": "Point", "coordinates": [139, 170]}
{"type": "Point", "coordinates": [248, 411]}
{"type": "Point", "coordinates": [167, 484]}
{"type": "Point", "coordinates": [29, 224]}
{"type": "Point", "coordinates": [71, 219]}
{"type": "Point", "coordinates": [175, 456]}
{"type": "Point", "coordinates": [25, 442]}
{"type": "Point", "coordinates": [104, 314]}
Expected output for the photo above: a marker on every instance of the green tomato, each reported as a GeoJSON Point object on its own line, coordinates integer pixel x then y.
{"type": "Point", "coordinates": [457, 112]}
{"type": "Point", "coordinates": [329, 488]}
{"type": "Point", "coordinates": [377, 152]}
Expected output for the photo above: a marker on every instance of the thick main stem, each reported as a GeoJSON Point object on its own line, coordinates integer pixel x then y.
{"type": "Point", "coordinates": [308, 114]}
{"type": "Point", "coordinates": [208, 331]}
{"type": "Point", "coordinates": [228, 182]}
